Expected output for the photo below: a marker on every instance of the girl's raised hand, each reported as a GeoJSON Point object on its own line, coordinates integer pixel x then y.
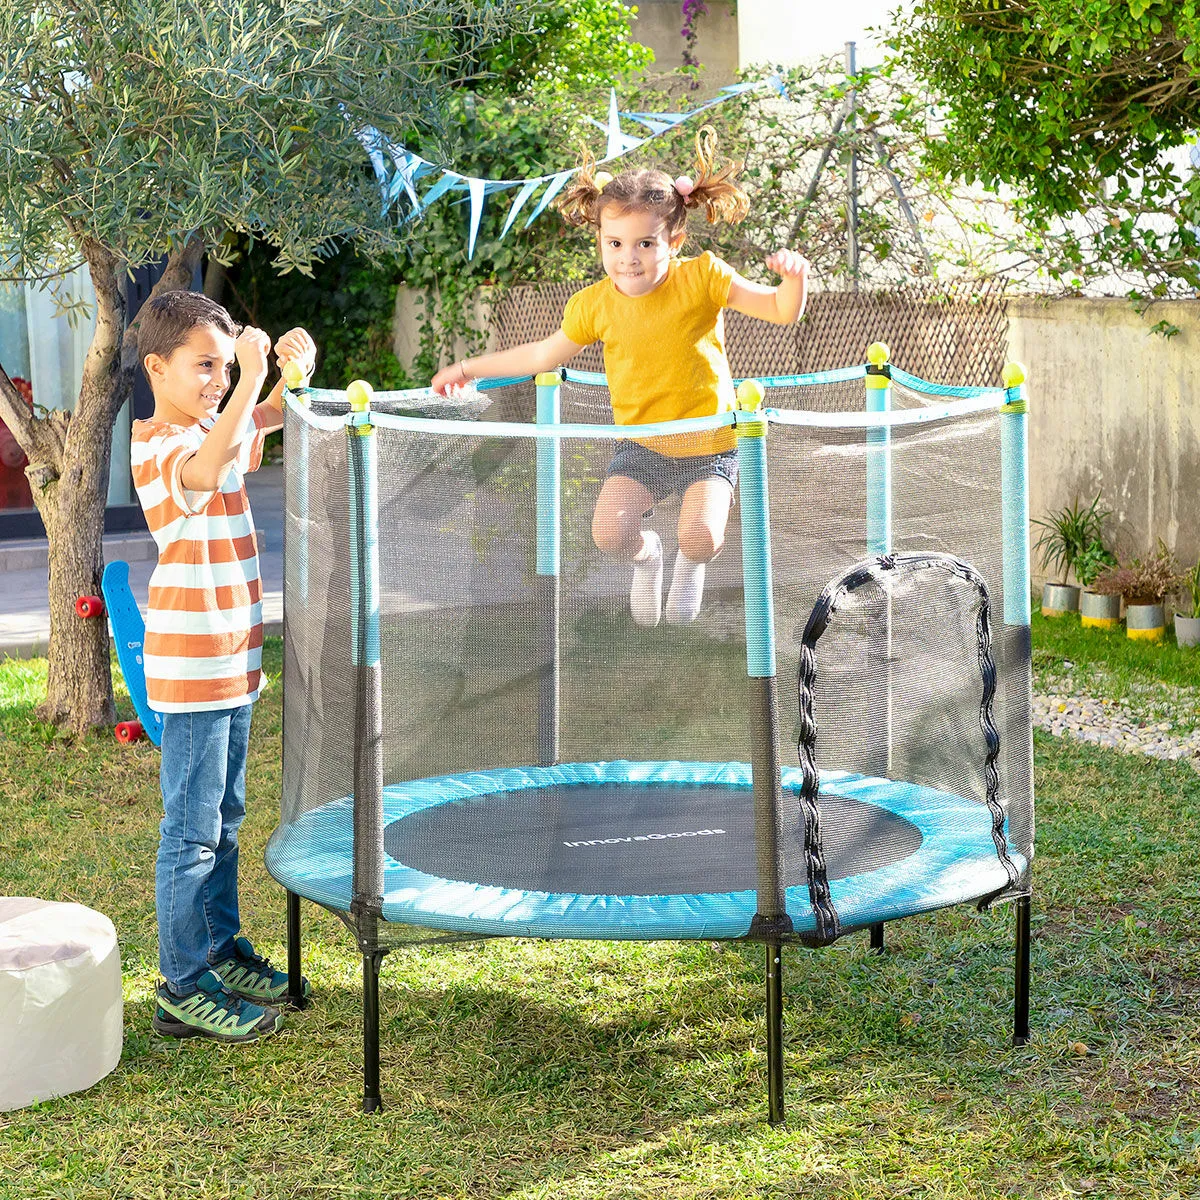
{"type": "Point", "coordinates": [791, 264]}
{"type": "Point", "coordinates": [449, 378]}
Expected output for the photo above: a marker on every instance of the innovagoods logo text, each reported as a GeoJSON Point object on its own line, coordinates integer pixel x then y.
{"type": "Point", "coordinates": [646, 837]}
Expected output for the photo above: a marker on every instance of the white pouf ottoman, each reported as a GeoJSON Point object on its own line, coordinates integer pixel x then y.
{"type": "Point", "coordinates": [60, 999]}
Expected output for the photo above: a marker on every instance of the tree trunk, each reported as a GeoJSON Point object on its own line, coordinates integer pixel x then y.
{"type": "Point", "coordinates": [69, 456]}
{"type": "Point", "coordinates": [79, 691]}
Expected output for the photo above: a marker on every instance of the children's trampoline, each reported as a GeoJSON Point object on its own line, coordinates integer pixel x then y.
{"type": "Point", "coordinates": [480, 742]}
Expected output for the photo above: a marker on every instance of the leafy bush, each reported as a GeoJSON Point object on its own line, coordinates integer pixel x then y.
{"type": "Point", "coordinates": [1073, 538]}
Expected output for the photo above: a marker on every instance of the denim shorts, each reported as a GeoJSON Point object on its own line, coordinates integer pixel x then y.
{"type": "Point", "coordinates": [662, 474]}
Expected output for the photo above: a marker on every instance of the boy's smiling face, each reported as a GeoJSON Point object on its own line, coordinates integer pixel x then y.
{"type": "Point", "coordinates": [636, 250]}
{"type": "Point", "coordinates": [190, 383]}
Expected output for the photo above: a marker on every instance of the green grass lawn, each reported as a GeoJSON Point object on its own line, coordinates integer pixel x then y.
{"type": "Point", "coordinates": [601, 1071]}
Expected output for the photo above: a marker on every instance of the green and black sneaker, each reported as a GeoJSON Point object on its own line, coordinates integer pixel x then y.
{"type": "Point", "coordinates": [252, 977]}
{"type": "Point", "coordinates": [214, 1012]}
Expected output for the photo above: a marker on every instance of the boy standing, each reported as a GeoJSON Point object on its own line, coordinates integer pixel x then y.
{"type": "Point", "coordinates": [203, 649]}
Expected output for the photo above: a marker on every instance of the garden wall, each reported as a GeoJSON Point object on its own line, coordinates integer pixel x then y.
{"type": "Point", "coordinates": [1115, 408]}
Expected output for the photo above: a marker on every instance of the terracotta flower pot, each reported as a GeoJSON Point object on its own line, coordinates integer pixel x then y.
{"type": "Point", "coordinates": [1145, 622]}
{"type": "Point", "coordinates": [1099, 612]}
{"type": "Point", "coordinates": [1059, 598]}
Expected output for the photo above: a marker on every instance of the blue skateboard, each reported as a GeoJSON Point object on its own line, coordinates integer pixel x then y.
{"type": "Point", "coordinates": [129, 632]}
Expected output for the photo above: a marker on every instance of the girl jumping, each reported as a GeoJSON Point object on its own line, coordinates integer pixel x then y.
{"type": "Point", "coordinates": [660, 319]}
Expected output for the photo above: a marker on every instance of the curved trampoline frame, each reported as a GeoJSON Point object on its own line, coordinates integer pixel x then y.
{"type": "Point", "coordinates": [770, 921]}
{"type": "Point", "coordinates": [952, 831]}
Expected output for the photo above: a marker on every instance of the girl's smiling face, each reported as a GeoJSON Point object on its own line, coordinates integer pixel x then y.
{"type": "Point", "coordinates": [636, 250]}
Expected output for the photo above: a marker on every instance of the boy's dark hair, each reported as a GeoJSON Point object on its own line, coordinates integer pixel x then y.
{"type": "Point", "coordinates": [165, 322]}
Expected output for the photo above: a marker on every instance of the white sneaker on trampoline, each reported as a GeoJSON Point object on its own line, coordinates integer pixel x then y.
{"type": "Point", "coordinates": [687, 590]}
{"type": "Point", "coordinates": [645, 593]}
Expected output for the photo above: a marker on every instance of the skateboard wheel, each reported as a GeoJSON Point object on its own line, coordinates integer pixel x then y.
{"type": "Point", "coordinates": [89, 606]}
{"type": "Point", "coordinates": [129, 731]}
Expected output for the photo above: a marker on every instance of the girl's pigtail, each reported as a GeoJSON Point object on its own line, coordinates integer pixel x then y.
{"type": "Point", "coordinates": [714, 185]}
{"type": "Point", "coordinates": [577, 201]}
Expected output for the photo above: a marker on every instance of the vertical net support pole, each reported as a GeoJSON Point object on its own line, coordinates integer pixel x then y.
{"type": "Point", "coordinates": [549, 563]}
{"type": "Point", "coordinates": [879, 541]}
{"type": "Point", "coordinates": [771, 920]}
{"type": "Point", "coordinates": [367, 884]}
{"type": "Point", "coordinates": [298, 478]}
{"type": "Point", "coordinates": [1018, 663]}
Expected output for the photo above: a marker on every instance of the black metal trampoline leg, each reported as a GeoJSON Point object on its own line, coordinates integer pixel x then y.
{"type": "Point", "coordinates": [295, 997]}
{"type": "Point", "coordinates": [1021, 974]}
{"type": "Point", "coordinates": [775, 1032]}
{"type": "Point", "coordinates": [877, 938]}
{"type": "Point", "coordinates": [372, 1101]}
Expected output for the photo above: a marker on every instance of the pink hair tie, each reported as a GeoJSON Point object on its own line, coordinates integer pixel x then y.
{"type": "Point", "coordinates": [684, 186]}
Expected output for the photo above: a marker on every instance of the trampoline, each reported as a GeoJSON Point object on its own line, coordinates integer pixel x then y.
{"type": "Point", "coordinates": [460, 665]}
{"type": "Point", "coordinates": [591, 850]}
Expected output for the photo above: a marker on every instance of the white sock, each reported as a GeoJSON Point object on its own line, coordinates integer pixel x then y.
{"type": "Point", "coordinates": [645, 593]}
{"type": "Point", "coordinates": [687, 590]}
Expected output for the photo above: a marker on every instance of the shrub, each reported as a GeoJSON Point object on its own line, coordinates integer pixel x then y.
{"type": "Point", "coordinates": [1142, 581]}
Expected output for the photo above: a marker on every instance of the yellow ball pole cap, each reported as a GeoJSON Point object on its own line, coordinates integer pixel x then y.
{"type": "Point", "coordinates": [750, 395]}
{"type": "Point", "coordinates": [293, 374]}
{"type": "Point", "coordinates": [878, 353]}
{"type": "Point", "coordinates": [359, 395]}
{"type": "Point", "coordinates": [1013, 374]}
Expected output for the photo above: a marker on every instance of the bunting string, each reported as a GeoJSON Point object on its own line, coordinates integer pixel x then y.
{"type": "Point", "coordinates": [399, 171]}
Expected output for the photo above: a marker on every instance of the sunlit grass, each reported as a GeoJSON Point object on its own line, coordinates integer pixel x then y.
{"type": "Point", "coordinates": [606, 1071]}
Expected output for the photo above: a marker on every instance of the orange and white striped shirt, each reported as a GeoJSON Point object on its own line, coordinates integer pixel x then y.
{"type": "Point", "coordinates": [203, 646]}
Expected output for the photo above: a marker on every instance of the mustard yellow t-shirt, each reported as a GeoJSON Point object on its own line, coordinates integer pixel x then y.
{"type": "Point", "coordinates": [664, 352]}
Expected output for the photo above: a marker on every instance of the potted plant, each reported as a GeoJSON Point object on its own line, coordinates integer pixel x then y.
{"type": "Point", "coordinates": [1187, 626]}
{"type": "Point", "coordinates": [1143, 584]}
{"type": "Point", "coordinates": [1065, 536]}
{"type": "Point", "coordinates": [1095, 610]}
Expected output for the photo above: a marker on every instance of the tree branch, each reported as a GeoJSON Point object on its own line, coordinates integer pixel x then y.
{"type": "Point", "coordinates": [15, 413]}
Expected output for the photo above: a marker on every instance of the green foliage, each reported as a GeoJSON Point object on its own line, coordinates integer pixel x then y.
{"type": "Point", "coordinates": [571, 46]}
{"type": "Point", "coordinates": [1073, 539]}
{"type": "Point", "coordinates": [347, 306]}
{"type": "Point", "coordinates": [1096, 557]}
{"type": "Point", "coordinates": [1072, 104]}
{"type": "Point", "coordinates": [500, 137]}
{"type": "Point", "coordinates": [139, 126]}
{"type": "Point", "coordinates": [1190, 582]}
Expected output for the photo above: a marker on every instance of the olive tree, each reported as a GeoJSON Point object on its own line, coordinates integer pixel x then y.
{"type": "Point", "coordinates": [134, 131]}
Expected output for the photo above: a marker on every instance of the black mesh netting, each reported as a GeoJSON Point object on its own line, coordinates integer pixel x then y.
{"type": "Point", "coordinates": [484, 668]}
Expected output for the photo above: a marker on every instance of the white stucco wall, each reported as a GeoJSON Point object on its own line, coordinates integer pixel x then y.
{"type": "Point", "coordinates": [1114, 408]}
{"type": "Point", "coordinates": [787, 32]}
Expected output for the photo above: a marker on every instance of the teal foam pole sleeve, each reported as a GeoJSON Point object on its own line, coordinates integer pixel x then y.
{"type": "Point", "coordinates": [879, 469]}
{"type": "Point", "coordinates": [756, 545]}
{"type": "Point", "coordinates": [549, 478]}
{"type": "Point", "coordinates": [1014, 497]}
{"type": "Point", "coordinates": [364, 539]}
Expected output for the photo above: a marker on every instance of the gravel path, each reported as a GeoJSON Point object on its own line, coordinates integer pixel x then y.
{"type": "Point", "coordinates": [1109, 723]}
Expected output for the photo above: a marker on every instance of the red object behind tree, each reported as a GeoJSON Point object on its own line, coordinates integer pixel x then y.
{"type": "Point", "coordinates": [14, 487]}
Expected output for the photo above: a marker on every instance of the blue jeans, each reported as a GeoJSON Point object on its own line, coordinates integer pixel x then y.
{"type": "Point", "coordinates": [203, 777]}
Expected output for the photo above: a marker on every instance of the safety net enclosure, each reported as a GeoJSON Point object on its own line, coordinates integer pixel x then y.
{"type": "Point", "coordinates": [480, 741]}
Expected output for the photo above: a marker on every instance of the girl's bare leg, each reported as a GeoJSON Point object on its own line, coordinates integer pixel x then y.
{"type": "Point", "coordinates": [703, 516]}
{"type": "Point", "coordinates": [617, 531]}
